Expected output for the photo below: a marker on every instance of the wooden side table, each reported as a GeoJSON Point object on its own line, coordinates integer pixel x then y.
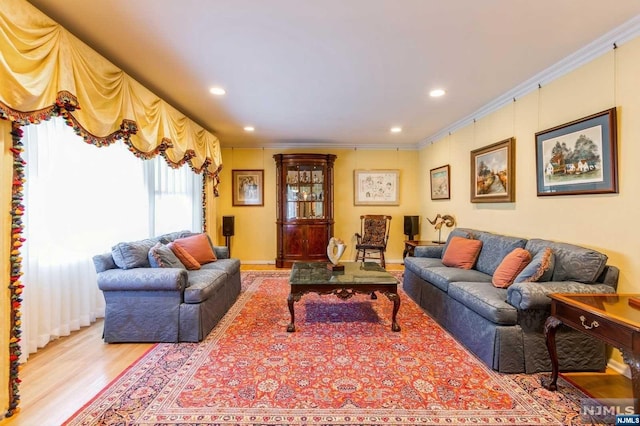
{"type": "Point", "coordinates": [613, 318]}
{"type": "Point", "coordinates": [410, 245]}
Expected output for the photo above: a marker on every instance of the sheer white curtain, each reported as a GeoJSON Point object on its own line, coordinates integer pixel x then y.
{"type": "Point", "coordinates": [79, 201]}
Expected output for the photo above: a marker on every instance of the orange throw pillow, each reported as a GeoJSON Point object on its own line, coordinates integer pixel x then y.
{"type": "Point", "coordinates": [187, 260]}
{"type": "Point", "coordinates": [462, 253]}
{"type": "Point", "coordinates": [510, 267]}
{"type": "Point", "coordinates": [198, 247]}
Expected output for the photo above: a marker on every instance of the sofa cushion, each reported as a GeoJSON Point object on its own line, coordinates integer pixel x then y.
{"type": "Point", "coordinates": [203, 284]}
{"type": "Point", "coordinates": [418, 264]}
{"type": "Point", "coordinates": [442, 276]}
{"type": "Point", "coordinates": [510, 267]}
{"type": "Point", "coordinates": [540, 268]}
{"type": "Point", "coordinates": [197, 246]}
{"type": "Point", "coordinates": [161, 256]}
{"type": "Point", "coordinates": [134, 254]}
{"type": "Point", "coordinates": [230, 266]}
{"type": "Point", "coordinates": [572, 263]}
{"type": "Point", "coordinates": [461, 253]}
{"type": "Point", "coordinates": [485, 300]}
{"type": "Point", "coordinates": [494, 249]}
{"type": "Point", "coordinates": [187, 260]}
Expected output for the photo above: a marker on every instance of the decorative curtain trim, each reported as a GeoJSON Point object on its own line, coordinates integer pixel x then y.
{"type": "Point", "coordinates": [15, 262]}
{"type": "Point", "coordinates": [204, 205]}
{"type": "Point", "coordinates": [47, 71]}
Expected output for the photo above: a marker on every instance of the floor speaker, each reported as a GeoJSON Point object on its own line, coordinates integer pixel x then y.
{"type": "Point", "coordinates": [227, 226]}
{"type": "Point", "coordinates": [411, 226]}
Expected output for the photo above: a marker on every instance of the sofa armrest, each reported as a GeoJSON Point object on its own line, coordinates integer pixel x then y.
{"type": "Point", "coordinates": [610, 276]}
{"type": "Point", "coordinates": [535, 295]}
{"type": "Point", "coordinates": [429, 251]}
{"type": "Point", "coordinates": [104, 262]}
{"type": "Point", "coordinates": [222, 252]}
{"type": "Point", "coordinates": [143, 279]}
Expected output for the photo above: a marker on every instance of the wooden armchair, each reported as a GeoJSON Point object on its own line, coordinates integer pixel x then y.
{"type": "Point", "coordinates": [372, 239]}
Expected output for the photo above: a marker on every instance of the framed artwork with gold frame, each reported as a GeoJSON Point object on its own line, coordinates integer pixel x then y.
{"type": "Point", "coordinates": [248, 187]}
{"type": "Point", "coordinates": [493, 173]}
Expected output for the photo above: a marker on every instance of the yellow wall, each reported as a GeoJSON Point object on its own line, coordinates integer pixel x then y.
{"type": "Point", "coordinates": [255, 227]}
{"type": "Point", "coordinates": [605, 222]}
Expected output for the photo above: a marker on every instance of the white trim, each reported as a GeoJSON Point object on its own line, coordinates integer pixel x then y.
{"type": "Point", "coordinates": [618, 36]}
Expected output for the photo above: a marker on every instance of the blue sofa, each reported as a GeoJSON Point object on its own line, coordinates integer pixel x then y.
{"type": "Point", "coordinates": [163, 304]}
{"type": "Point", "coordinates": [504, 327]}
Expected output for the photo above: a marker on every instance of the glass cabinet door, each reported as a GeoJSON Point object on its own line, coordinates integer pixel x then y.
{"type": "Point", "coordinates": [305, 192]}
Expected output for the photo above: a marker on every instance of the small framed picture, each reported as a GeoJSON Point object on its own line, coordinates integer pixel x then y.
{"type": "Point", "coordinates": [248, 187]}
{"type": "Point", "coordinates": [376, 187]}
{"type": "Point", "coordinates": [440, 183]}
{"type": "Point", "coordinates": [493, 173]}
{"type": "Point", "coordinates": [579, 157]}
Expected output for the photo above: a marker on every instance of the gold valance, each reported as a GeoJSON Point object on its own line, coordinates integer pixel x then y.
{"type": "Point", "coordinates": [45, 71]}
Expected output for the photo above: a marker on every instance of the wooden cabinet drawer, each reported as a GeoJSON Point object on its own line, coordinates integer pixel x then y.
{"type": "Point", "coordinates": [606, 330]}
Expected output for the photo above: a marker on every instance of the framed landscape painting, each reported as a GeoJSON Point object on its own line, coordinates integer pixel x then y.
{"type": "Point", "coordinates": [579, 157]}
{"type": "Point", "coordinates": [493, 173]}
{"type": "Point", "coordinates": [376, 187]}
{"type": "Point", "coordinates": [440, 183]}
{"type": "Point", "coordinates": [248, 187]}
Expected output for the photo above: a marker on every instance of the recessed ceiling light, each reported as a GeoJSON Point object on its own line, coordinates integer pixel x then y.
{"type": "Point", "coordinates": [249, 128]}
{"type": "Point", "coordinates": [396, 129]}
{"type": "Point", "coordinates": [436, 93]}
{"type": "Point", "coordinates": [219, 91]}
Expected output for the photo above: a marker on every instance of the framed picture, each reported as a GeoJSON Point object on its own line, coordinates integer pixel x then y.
{"type": "Point", "coordinates": [493, 173]}
{"type": "Point", "coordinates": [376, 187]}
{"type": "Point", "coordinates": [579, 157]}
{"type": "Point", "coordinates": [440, 182]}
{"type": "Point", "coordinates": [248, 187]}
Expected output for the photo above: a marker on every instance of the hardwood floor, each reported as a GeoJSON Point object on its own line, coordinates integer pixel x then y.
{"type": "Point", "coordinates": [609, 384]}
{"type": "Point", "coordinates": [61, 378]}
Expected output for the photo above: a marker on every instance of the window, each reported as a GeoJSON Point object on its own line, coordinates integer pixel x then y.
{"type": "Point", "coordinates": [80, 201]}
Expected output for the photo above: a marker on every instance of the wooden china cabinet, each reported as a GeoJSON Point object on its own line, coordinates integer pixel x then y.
{"type": "Point", "coordinates": [304, 219]}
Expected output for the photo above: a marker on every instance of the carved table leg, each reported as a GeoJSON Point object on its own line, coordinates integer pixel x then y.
{"type": "Point", "coordinates": [396, 307]}
{"type": "Point", "coordinates": [290, 300]}
{"type": "Point", "coordinates": [633, 360]}
{"type": "Point", "coordinates": [550, 327]}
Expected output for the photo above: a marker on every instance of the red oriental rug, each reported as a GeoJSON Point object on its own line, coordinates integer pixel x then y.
{"type": "Point", "coordinates": [343, 365]}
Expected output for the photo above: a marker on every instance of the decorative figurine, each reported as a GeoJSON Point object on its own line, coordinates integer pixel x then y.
{"type": "Point", "coordinates": [335, 250]}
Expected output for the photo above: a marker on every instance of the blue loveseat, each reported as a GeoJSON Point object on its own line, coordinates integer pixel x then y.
{"type": "Point", "coordinates": [163, 304]}
{"type": "Point", "coordinates": [504, 327]}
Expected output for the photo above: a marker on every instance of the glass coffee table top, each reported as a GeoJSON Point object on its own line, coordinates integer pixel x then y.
{"type": "Point", "coordinates": [354, 273]}
{"type": "Point", "coordinates": [357, 277]}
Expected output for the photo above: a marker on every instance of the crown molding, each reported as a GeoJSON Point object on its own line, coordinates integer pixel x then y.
{"type": "Point", "coordinates": [609, 41]}
{"type": "Point", "coordinates": [326, 145]}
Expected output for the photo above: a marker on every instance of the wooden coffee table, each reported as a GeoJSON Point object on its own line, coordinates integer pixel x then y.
{"type": "Point", "coordinates": [357, 277]}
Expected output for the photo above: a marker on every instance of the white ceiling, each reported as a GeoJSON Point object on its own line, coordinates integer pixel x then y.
{"type": "Point", "coordinates": [335, 73]}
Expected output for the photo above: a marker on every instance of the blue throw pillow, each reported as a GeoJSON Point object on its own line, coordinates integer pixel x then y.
{"type": "Point", "coordinates": [132, 254]}
{"type": "Point", "coordinates": [161, 256]}
{"type": "Point", "coordinates": [540, 269]}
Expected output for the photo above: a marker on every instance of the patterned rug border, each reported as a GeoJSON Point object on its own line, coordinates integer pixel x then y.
{"type": "Point", "coordinates": [528, 408]}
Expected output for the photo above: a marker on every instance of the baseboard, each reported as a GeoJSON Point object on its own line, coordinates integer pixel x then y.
{"type": "Point", "coordinates": [620, 368]}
